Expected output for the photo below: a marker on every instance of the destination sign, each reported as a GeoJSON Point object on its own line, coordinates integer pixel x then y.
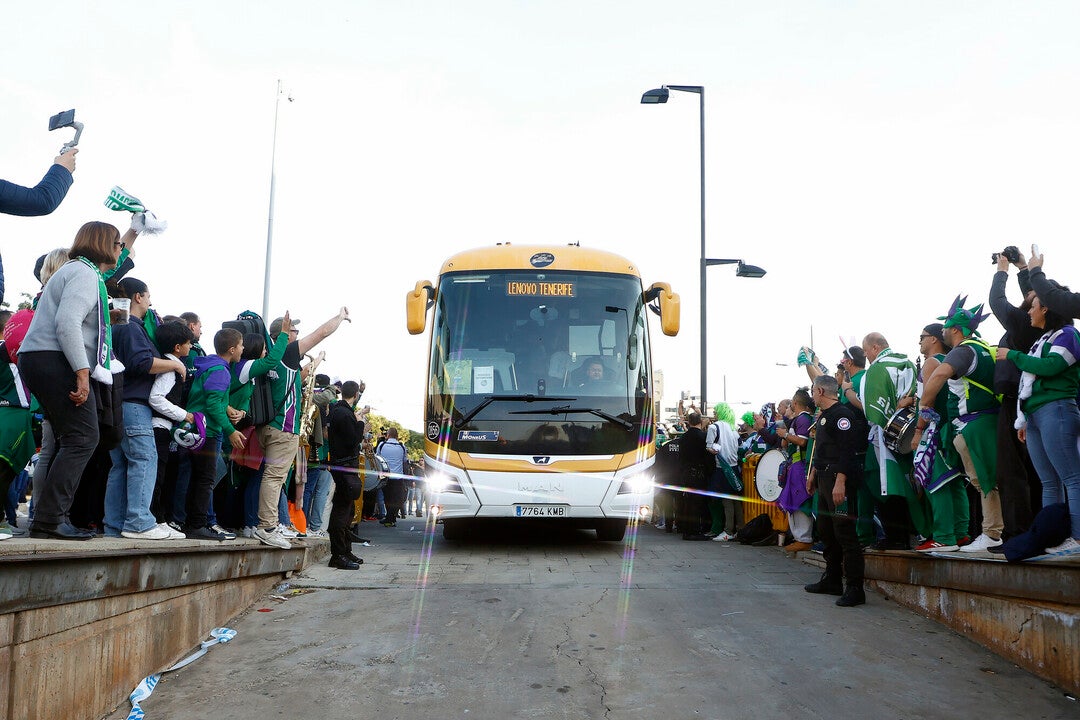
{"type": "Point", "coordinates": [541, 289]}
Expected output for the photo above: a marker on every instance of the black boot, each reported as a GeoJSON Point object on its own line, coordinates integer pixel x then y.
{"type": "Point", "coordinates": [355, 559]}
{"type": "Point", "coordinates": [825, 586]}
{"type": "Point", "coordinates": [343, 563]}
{"type": "Point", "coordinates": [852, 596]}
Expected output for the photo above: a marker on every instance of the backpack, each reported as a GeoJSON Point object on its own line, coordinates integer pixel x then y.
{"type": "Point", "coordinates": [755, 531]}
{"type": "Point", "coordinates": [262, 409]}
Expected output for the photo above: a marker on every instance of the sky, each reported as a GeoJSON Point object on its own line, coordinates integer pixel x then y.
{"type": "Point", "coordinates": [869, 155]}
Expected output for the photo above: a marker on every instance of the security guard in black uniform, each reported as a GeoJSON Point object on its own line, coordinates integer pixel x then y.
{"type": "Point", "coordinates": [839, 453]}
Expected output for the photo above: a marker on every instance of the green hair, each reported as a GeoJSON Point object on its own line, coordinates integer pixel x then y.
{"type": "Point", "coordinates": [748, 418]}
{"type": "Point", "coordinates": [724, 413]}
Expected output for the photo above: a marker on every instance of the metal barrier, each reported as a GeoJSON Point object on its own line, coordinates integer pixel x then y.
{"type": "Point", "coordinates": [753, 505]}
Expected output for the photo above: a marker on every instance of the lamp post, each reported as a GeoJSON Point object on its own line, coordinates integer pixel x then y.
{"type": "Point", "coordinates": [658, 96]}
{"type": "Point", "coordinates": [270, 216]}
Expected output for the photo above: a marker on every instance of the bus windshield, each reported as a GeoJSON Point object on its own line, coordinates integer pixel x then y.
{"type": "Point", "coordinates": [506, 341]}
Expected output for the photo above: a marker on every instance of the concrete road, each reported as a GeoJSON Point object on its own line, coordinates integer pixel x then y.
{"type": "Point", "coordinates": [527, 621]}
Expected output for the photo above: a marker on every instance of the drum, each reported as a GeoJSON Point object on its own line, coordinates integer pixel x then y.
{"type": "Point", "coordinates": [901, 430]}
{"type": "Point", "coordinates": [375, 473]}
{"type": "Point", "coordinates": [768, 476]}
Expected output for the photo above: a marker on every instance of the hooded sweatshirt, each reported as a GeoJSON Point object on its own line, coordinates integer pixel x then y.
{"type": "Point", "coordinates": [210, 394]}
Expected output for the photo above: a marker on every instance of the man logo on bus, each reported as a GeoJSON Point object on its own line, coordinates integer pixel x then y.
{"type": "Point", "coordinates": [541, 460]}
{"type": "Point", "coordinates": [541, 260]}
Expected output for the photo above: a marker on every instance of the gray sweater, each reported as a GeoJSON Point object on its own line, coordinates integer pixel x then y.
{"type": "Point", "coordinates": [66, 318]}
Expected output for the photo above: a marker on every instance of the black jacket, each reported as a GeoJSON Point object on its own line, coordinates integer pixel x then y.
{"type": "Point", "coordinates": [345, 433]}
{"type": "Point", "coordinates": [1019, 334]}
{"type": "Point", "coordinates": [1053, 296]}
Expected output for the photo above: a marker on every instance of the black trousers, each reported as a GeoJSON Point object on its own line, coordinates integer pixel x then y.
{"type": "Point", "coordinates": [1017, 480]}
{"type": "Point", "coordinates": [50, 378]}
{"type": "Point", "coordinates": [895, 518]}
{"type": "Point", "coordinates": [201, 487]}
{"type": "Point", "coordinates": [88, 505]}
{"type": "Point", "coordinates": [346, 490]}
{"type": "Point", "coordinates": [161, 505]}
{"type": "Point", "coordinates": [394, 497]}
{"type": "Point", "coordinates": [843, 553]}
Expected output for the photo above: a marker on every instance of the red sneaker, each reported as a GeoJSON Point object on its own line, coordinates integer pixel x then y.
{"type": "Point", "coordinates": [964, 541]}
{"type": "Point", "coordinates": [934, 546]}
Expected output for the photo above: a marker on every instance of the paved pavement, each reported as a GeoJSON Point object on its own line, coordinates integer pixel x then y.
{"type": "Point", "coordinates": [530, 621]}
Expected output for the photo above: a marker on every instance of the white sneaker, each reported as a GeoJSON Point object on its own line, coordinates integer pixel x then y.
{"type": "Point", "coordinates": [154, 533]}
{"type": "Point", "coordinates": [222, 531]}
{"type": "Point", "coordinates": [249, 532]}
{"type": "Point", "coordinates": [287, 532]}
{"type": "Point", "coordinates": [173, 534]}
{"type": "Point", "coordinates": [272, 537]}
{"type": "Point", "coordinates": [319, 534]}
{"type": "Point", "coordinates": [980, 544]}
{"type": "Point", "coordinates": [1071, 546]}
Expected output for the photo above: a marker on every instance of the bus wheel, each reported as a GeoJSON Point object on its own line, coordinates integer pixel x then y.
{"type": "Point", "coordinates": [453, 530]}
{"type": "Point", "coordinates": [611, 530]}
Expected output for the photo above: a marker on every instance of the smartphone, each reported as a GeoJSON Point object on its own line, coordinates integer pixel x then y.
{"type": "Point", "coordinates": [1035, 251]}
{"type": "Point", "coordinates": [62, 119]}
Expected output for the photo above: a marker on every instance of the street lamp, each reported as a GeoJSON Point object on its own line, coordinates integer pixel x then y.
{"type": "Point", "coordinates": [659, 96]}
{"type": "Point", "coordinates": [744, 269]}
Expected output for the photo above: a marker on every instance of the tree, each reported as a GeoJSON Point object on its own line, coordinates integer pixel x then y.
{"type": "Point", "coordinates": [26, 303]}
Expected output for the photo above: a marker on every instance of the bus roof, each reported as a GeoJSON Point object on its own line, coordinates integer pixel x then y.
{"type": "Point", "coordinates": [506, 256]}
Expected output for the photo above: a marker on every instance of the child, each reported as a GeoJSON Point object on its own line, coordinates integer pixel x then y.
{"type": "Point", "coordinates": [210, 396]}
{"type": "Point", "coordinates": [166, 401]}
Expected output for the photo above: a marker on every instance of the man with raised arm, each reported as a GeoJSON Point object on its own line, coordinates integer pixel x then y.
{"type": "Point", "coordinates": [280, 437]}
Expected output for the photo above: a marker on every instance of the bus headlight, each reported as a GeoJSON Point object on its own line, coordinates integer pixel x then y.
{"type": "Point", "coordinates": [442, 483]}
{"type": "Point", "coordinates": [637, 485]}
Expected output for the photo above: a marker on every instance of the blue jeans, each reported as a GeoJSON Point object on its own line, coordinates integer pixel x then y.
{"type": "Point", "coordinates": [252, 483]}
{"type": "Point", "coordinates": [1052, 434]}
{"type": "Point", "coordinates": [380, 504]}
{"type": "Point", "coordinates": [130, 487]}
{"type": "Point", "coordinates": [283, 509]}
{"type": "Point", "coordinates": [220, 470]}
{"type": "Point", "coordinates": [316, 491]}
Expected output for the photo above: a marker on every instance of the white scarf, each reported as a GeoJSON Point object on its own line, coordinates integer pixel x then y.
{"type": "Point", "coordinates": [1027, 380]}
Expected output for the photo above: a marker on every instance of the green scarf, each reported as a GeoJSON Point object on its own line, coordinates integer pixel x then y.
{"type": "Point", "coordinates": [102, 372]}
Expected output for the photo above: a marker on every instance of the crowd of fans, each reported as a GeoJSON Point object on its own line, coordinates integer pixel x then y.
{"type": "Point", "coordinates": [971, 448]}
{"type": "Point", "coordinates": [145, 435]}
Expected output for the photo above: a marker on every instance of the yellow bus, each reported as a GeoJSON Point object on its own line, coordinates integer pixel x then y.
{"type": "Point", "coordinates": [539, 399]}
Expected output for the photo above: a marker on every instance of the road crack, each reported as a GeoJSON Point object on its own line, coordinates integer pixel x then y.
{"type": "Point", "coordinates": [582, 662]}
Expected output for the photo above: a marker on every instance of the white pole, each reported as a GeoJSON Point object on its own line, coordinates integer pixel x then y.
{"type": "Point", "coordinates": [270, 218]}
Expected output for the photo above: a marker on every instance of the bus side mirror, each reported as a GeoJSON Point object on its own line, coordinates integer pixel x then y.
{"type": "Point", "coordinates": [417, 303]}
{"type": "Point", "coordinates": [669, 307]}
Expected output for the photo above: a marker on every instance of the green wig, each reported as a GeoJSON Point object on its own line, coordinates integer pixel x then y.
{"type": "Point", "coordinates": [724, 413]}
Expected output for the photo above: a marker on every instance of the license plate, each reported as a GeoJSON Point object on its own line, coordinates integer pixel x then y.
{"type": "Point", "coordinates": [540, 511]}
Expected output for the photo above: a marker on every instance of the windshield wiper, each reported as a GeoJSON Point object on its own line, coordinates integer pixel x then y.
{"type": "Point", "coordinates": [564, 409]}
{"type": "Point", "coordinates": [509, 398]}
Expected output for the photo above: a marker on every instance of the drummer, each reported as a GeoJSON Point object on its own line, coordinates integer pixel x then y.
{"type": "Point", "coordinates": [889, 378]}
{"type": "Point", "coordinates": [837, 475]}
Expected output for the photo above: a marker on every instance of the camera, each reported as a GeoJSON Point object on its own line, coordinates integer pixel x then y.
{"type": "Point", "coordinates": [1011, 253]}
